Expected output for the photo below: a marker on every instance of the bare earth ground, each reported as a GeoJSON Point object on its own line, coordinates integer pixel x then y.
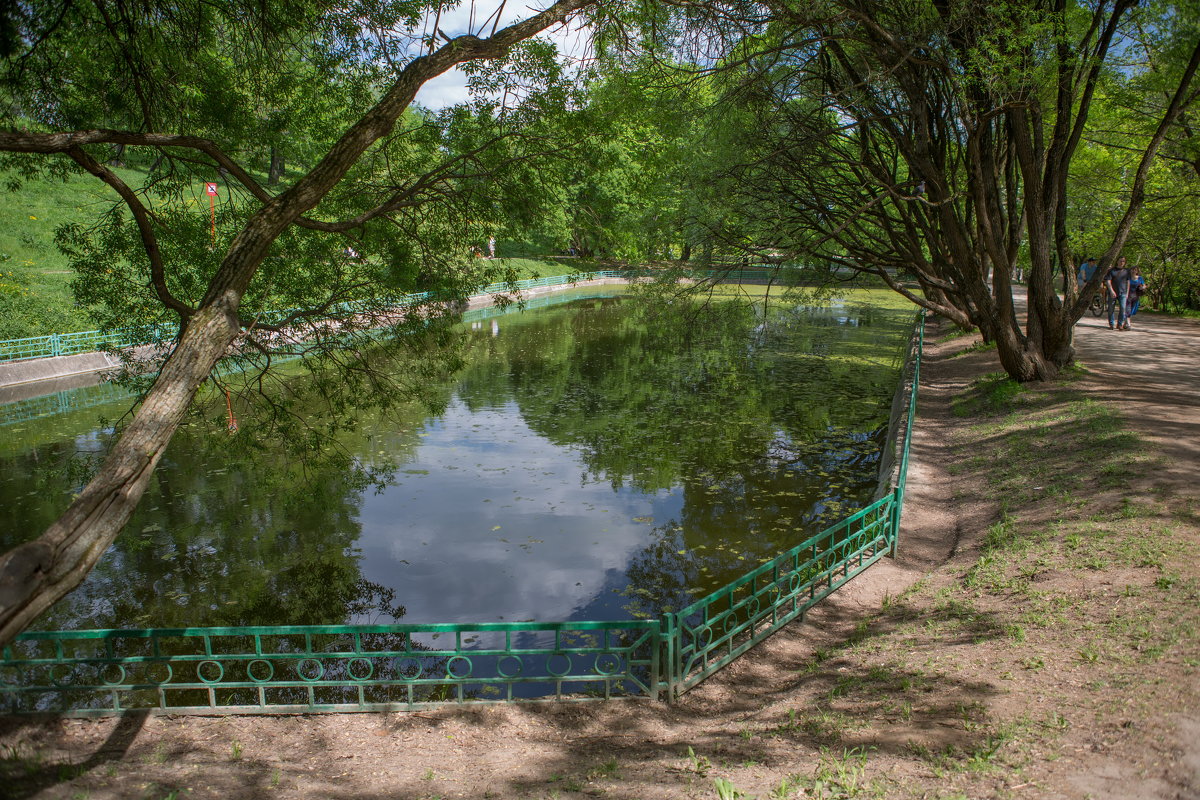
{"type": "Point", "coordinates": [1035, 638]}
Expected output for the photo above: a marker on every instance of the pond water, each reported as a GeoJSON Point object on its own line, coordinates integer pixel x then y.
{"type": "Point", "coordinates": [598, 459]}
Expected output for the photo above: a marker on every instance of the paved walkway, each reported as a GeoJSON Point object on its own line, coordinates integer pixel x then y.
{"type": "Point", "coordinates": [1153, 373]}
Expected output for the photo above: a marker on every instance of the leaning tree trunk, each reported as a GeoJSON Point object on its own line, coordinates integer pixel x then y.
{"type": "Point", "coordinates": [36, 574]}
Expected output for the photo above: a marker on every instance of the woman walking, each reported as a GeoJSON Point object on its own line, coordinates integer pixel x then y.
{"type": "Point", "coordinates": [1137, 288]}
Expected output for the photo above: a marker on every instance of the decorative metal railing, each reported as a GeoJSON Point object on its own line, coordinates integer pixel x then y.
{"type": "Point", "coordinates": [407, 666]}
{"type": "Point", "coordinates": [327, 667]}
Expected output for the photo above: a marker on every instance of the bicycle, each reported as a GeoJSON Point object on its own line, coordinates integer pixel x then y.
{"type": "Point", "coordinates": [1097, 305]}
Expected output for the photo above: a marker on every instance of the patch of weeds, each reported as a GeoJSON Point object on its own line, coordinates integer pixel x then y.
{"type": "Point", "coordinates": [698, 764]}
{"type": "Point", "coordinates": [429, 774]}
{"type": "Point", "coordinates": [1072, 373]}
{"type": "Point", "coordinates": [978, 347]}
{"type": "Point", "coordinates": [1015, 632]}
{"type": "Point", "coordinates": [992, 394]}
{"type": "Point", "coordinates": [609, 769]}
{"type": "Point", "coordinates": [235, 751]}
{"type": "Point", "coordinates": [786, 788]}
{"type": "Point", "coordinates": [841, 776]}
{"type": "Point", "coordinates": [1165, 582]}
{"type": "Point", "coordinates": [956, 333]}
{"type": "Point", "coordinates": [726, 790]}
{"type": "Point", "coordinates": [983, 756]}
{"type": "Point", "coordinates": [1058, 722]}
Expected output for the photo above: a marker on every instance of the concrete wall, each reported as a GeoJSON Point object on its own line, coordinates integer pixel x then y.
{"type": "Point", "coordinates": [13, 373]}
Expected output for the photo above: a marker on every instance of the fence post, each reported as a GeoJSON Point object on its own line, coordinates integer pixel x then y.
{"type": "Point", "coordinates": [667, 640]}
{"type": "Point", "coordinates": [894, 519]}
{"type": "Point", "coordinates": [55, 346]}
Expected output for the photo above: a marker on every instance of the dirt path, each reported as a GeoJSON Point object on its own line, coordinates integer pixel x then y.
{"type": "Point", "coordinates": [1153, 372]}
{"type": "Point", "coordinates": [1024, 644]}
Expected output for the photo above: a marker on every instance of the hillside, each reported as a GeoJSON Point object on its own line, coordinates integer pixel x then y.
{"type": "Point", "coordinates": [35, 279]}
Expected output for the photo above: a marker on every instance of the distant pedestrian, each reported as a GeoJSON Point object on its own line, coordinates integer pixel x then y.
{"type": "Point", "coordinates": [1086, 270]}
{"type": "Point", "coordinates": [1137, 288]}
{"type": "Point", "coordinates": [491, 247]}
{"type": "Point", "coordinates": [1118, 298]}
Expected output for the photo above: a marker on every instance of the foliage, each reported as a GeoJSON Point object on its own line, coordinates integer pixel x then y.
{"type": "Point", "coordinates": [931, 144]}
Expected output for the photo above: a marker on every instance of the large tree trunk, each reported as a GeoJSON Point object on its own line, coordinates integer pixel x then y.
{"type": "Point", "coordinates": [275, 171]}
{"type": "Point", "coordinates": [36, 574]}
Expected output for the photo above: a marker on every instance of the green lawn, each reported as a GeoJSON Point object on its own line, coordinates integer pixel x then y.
{"type": "Point", "coordinates": [35, 290]}
{"type": "Point", "coordinates": [35, 293]}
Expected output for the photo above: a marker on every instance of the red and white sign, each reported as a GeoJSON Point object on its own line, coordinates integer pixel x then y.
{"type": "Point", "coordinates": [211, 188]}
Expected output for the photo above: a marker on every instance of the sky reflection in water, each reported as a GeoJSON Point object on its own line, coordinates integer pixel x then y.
{"type": "Point", "coordinates": [593, 462]}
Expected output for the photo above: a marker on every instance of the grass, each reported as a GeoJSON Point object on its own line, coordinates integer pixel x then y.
{"type": "Point", "coordinates": [1081, 597]}
{"type": "Point", "coordinates": [35, 279]}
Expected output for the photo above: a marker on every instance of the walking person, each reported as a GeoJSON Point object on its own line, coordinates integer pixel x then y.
{"type": "Point", "coordinates": [1137, 288]}
{"type": "Point", "coordinates": [1118, 287]}
{"type": "Point", "coordinates": [1086, 270]}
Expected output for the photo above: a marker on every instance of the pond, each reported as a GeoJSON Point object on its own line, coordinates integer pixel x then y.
{"type": "Point", "coordinates": [600, 459]}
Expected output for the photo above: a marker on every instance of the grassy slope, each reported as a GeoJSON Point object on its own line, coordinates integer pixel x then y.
{"type": "Point", "coordinates": [35, 291]}
{"type": "Point", "coordinates": [33, 273]}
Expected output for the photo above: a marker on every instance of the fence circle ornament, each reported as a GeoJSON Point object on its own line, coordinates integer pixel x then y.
{"type": "Point", "coordinates": [607, 664]}
{"type": "Point", "coordinates": [310, 669]}
{"type": "Point", "coordinates": [753, 607]}
{"type": "Point", "coordinates": [794, 582]}
{"type": "Point", "coordinates": [502, 666]}
{"type": "Point", "coordinates": [459, 662]}
{"type": "Point", "coordinates": [61, 674]}
{"type": "Point", "coordinates": [360, 669]}
{"type": "Point", "coordinates": [703, 637]}
{"type": "Point", "coordinates": [410, 668]}
{"type": "Point", "coordinates": [258, 674]}
{"type": "Point", "coordinates": [111, 674]}
{"type": "Point", "coordinates": [203, 665]}
{"type": "Point", "coordinates": [730, 622]}
{"type": "Point", "coordinates": [550, 664]}
{"type": "Point", "coordinates": [166, 666]}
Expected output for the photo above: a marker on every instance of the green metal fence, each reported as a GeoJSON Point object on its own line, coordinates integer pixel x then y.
{"type": "Point", "coordinates": [66, 344]}
{"type": "Point", "coordinates": [322, 668]}
{"type": "Point", "coordinates": [407, 666]}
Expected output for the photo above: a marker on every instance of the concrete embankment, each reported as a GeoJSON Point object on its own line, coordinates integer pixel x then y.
{"type": "Point", "coordinates": [31, 374]}
{"type": "Point", "coordinates": [15, 373]}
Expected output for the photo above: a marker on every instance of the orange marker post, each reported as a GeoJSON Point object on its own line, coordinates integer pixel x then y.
{"type": "Point", "coordinates": [211, 189]}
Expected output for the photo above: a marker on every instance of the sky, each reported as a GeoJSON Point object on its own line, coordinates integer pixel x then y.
{"type": "Point", "coordinates": [451, 87]}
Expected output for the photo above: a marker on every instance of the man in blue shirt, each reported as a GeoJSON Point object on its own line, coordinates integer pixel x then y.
{"type": "Point", "coordinates": [1086, 270]}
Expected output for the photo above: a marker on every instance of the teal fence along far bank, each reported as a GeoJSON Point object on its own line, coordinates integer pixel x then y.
{"type": "Point", "coordinates": [68, 344]}
{"type": "Point", "coordinates": [350, 668]}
